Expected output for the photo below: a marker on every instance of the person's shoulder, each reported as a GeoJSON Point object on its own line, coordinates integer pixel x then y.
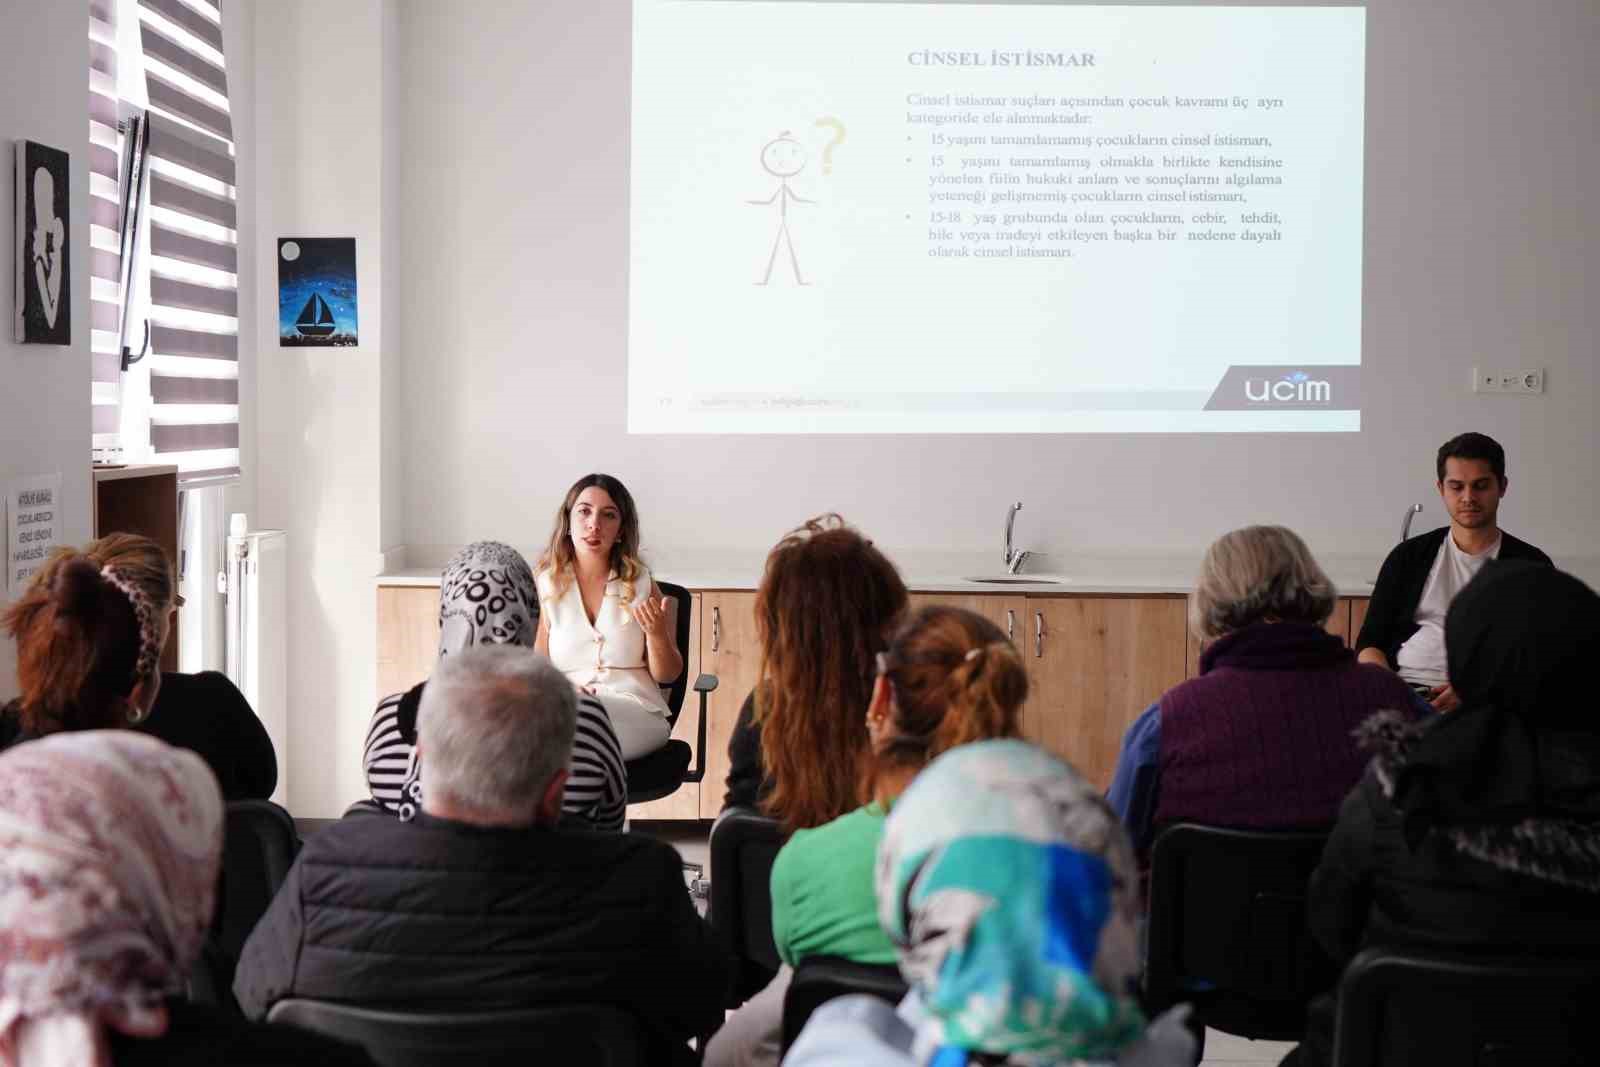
{"type": "Point", "coordinates": [544, 581]}
{"type": "Point", "coordinates": [358, 837]}
{"type": "Point", "coordinates": [1422, 546]}
{"type": "Point", "coordinates": [589, 707]}
{"type": "Point", "coordinates": [640, 853]}
{"type": "Point", "coordinates": [825, 841]}
{"type": "Point", "coordinates": [1516, 548]}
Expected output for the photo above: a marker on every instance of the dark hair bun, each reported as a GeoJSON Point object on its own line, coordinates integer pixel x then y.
{"type": "Point", "coordinates": [79, 590]}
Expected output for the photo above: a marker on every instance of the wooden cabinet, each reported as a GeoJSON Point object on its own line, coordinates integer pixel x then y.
{"type": "Point", "coordinates": [1094, 663]}
{"type": "Point", "coordinates": [730, 650]}
{"type": "Point", "coordinates": [1358, 617]}
{"type": "Point", "coordinates": [408, 636]}
{"type": "Point", "coordinates": [141, 499]}
{"type": "Point", "coordinates": [1006, 612]}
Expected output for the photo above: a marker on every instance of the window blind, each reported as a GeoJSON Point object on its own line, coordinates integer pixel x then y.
{"type": "Point", "coordinates": [105, 226]}
{"type": "Point", "coordinates": [194, 256]}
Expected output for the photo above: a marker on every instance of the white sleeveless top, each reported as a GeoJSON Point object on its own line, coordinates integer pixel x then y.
{"type": "Point", "coordinates": [607, 655]}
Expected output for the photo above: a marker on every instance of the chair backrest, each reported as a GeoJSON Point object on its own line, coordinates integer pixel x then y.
{"type": "Point", "coordinates": [680, 685]}
{"type": "Point", "coordinates": [818, 979]}
{"type": "Point", "coordinates": [1228, 928]}
{"type": "Point", "coordinates": [588, 1034]}
{"type": "Point", "coordinates": [258, 847]}
{"type": "Point", "coordinates": [743, 845]}
{"type": "Point", "coordinates": [1398, 1007]}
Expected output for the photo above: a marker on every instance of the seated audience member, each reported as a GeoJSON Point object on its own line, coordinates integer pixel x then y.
{"type": "Point", "coordinates": [948, 678]}
{"type": "Point", "coordinates": [1404, 627]}
{"type": "Point", "coordinates": [1262, 739]}
{"type": "Point", "coordinates": [482, 902]}
{"type": "Point", "coordinates": [90, 629]}
{"type": "Point", "coordinates": [110, 844]}
{"type": "Point", "coordinates": [1478, 831]}
{"type": "Point", "coordinates": [827, 603]}
{"type": "Point", "coordinates": [602, 620]}
{"type": "Point", "coordinates": [486, 597]}
{"type": "Point", "coordinates": [1011, 897]}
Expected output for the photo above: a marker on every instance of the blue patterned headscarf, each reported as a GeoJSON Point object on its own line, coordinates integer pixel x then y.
{"type": "Point", "coordinates": [1010, 892]}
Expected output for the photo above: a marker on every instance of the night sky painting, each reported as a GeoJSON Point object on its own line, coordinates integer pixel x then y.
{"type": "Point", "coordinates": [316, 291]}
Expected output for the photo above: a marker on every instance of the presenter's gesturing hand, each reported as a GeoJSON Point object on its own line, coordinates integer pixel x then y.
{"type": "Point", "coordinates": [657, 617]}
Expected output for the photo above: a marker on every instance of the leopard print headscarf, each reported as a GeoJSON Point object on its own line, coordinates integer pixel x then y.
{"type": "Point", "coordinates": [487, 597]}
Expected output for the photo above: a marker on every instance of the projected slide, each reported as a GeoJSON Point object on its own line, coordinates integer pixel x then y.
{"type": "Point", "coordinates": [866, 217]}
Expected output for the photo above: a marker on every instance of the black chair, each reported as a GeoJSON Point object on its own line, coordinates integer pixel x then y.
{"type": "Point", "coordinates": [743, 845]}
{"type": "Point", "coordinates": [603, 1036]}
{"type": "Point", "coordinates": [259, 845]}
{"type": "Point", "coordinates": [1402, 1008]}
{"type": "Point", "coordinates": [818, 979]}
{"type": "Point", "coordinates": [1228, 929]}
{"type": "Point", "coordinates": [659, 774]}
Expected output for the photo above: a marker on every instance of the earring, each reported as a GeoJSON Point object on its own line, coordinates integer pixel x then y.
{"type": "Point", "coordinates": [135, 713]}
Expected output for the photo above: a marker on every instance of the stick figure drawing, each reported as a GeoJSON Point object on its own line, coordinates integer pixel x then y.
{"type": "Point", "coordinates": [783, 158]}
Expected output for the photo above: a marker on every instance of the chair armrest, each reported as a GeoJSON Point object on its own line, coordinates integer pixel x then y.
{"type": "Point", "coordinates": [697, 772]}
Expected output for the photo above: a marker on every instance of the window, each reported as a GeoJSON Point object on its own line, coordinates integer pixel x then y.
{"type": "Point", "coordinates": [163, 240]}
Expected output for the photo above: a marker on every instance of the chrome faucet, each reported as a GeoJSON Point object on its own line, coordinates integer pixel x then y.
{"type": "Point", "coordinates": [1412, 512]}
{"type": "Point", "coordinates": [1012, 558]}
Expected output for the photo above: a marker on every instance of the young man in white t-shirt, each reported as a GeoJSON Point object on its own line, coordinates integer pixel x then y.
{"type": "Point", "coordinates": [1404, 628]}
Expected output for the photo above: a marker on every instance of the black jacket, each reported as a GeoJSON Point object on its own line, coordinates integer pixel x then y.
{"type": "Point", "coordinates": [1391, 615]}
{"type": "Point", "coordinates": [206, 714]}
{"type": "Point", "coordinates": [440, 914]}
{"type": "Point", "coordinates": [1371, 889]}
{"type": "Point", "coordinates": [198, 1036]}
{"type": "Point", "coordinates": [748, 783]}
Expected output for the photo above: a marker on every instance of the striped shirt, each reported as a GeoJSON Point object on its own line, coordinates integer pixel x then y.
{"type": "Point", "coordinates": [597, 787]}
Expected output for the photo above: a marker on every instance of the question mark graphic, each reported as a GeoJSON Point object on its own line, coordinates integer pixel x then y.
{"type": "Point", "coordinates": [838, 139]}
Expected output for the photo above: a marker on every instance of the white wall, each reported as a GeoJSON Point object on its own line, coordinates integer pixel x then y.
{"type": "Point", "coordinates": [44, 389]}
{"type": "Point", "coordinates": [1480, 232]}
{"type": "Point", "coordinates": [321, 151]}
{"type": "Point", "coordinates": [479, 154]}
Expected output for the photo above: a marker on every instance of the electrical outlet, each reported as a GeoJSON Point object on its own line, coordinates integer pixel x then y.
{"type": "Point", "coordinates": [1492, 380]}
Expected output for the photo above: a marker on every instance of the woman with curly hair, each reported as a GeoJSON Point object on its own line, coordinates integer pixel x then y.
{"type": "Point", "coordinates": [827, 604]}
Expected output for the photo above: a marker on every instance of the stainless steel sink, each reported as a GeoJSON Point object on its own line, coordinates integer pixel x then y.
{"type": "Point", "coordinates": [1017, 579]}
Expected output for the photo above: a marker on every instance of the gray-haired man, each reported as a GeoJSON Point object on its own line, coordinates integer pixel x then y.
{"type": "Point", "coordinates": [483, 902]}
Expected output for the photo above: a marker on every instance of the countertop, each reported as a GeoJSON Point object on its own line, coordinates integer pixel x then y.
{"type": "Point", "coordinates": [1171, 575]}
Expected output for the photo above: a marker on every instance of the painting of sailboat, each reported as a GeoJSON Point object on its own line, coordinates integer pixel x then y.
{"type": "Point", "coordinates": [317, 292]}
{"type": "Point", "coordinates": [316, 318]}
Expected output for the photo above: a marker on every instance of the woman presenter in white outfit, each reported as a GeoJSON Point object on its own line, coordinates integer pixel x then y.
{"type": "Point", "coordinates": [602, 621]}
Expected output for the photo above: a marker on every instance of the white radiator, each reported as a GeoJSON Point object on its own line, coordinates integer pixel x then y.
{"type": "Point", "coordinates": [257, 625]}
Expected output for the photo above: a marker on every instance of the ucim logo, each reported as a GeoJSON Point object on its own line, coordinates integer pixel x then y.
{"type": "Point", "coordinates": [1281, 387]}
{"type": "Point", "coordinates": [1296, 387]}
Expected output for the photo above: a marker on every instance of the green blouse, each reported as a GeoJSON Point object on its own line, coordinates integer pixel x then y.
{"type": "Point", "coordinates": [823, 903]}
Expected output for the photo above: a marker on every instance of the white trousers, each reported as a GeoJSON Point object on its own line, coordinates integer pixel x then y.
{"type": "Point", "coordinates": [640, 731]}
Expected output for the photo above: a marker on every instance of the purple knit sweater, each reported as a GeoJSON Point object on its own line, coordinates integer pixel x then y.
{"type": "Point", "coordinates": [1263, 738]}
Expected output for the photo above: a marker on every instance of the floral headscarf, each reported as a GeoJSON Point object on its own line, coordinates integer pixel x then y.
{"type": "Point", "coordinates": [110, 843]}
{"type": "Point", "coordinates": [1010, 893]}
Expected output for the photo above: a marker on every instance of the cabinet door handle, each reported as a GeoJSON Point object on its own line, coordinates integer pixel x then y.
{"type": "Point", "coordinates": [1011, 625]}
{"type": "Point", "coordinates": [1038, 634]}
{"type": "Point", "coordinates": [716, 628]}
